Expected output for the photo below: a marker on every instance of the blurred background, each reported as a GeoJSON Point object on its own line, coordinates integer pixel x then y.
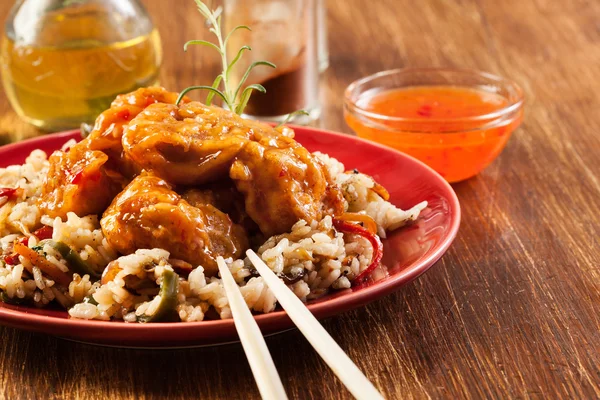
{"type": "Point", "coordinates": [352, 28]}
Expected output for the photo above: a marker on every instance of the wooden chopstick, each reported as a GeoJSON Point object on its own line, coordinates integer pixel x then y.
{"type": "Point", "coordinates": [264, 371]}
{"type": "Point", "coordinates": [323, 343]}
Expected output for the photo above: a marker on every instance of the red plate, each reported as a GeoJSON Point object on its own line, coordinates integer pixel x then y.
{"type": "Point", "coordinates": [408, 252]}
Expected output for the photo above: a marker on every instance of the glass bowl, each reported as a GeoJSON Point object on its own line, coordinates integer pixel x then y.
{"type": "Point", "coordinates": [457, 147]}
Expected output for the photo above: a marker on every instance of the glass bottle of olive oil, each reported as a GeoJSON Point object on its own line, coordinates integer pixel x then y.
{"type": "Point", "coordinates": [64, 61]}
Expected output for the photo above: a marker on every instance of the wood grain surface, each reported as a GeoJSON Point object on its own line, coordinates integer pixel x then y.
{"type": "Point", "coordinates": [511, 311]}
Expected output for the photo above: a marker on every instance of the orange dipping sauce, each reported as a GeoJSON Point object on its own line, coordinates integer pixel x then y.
{"type": "Point", "coordinates": [456, 130]}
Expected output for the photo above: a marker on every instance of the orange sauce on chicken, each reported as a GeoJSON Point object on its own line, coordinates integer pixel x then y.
{"type": "Point", "coordinates": [452, 129]}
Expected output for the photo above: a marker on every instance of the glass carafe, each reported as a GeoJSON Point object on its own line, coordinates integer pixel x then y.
{"type": "Point", "coordinates": [64, 61]}
{"type": "Point", "coordinates": [285, 33]}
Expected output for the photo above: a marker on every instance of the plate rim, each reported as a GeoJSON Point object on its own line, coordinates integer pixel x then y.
{"type": "Point", "coordinates": [37, 322]}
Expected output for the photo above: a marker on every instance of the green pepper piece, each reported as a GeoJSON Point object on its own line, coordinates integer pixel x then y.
{"type": "Point", "coordinates": [169, 288]}
{"type": "Point", "coordinates": [90, 300]}
{"type": "Point", "coordinates": [15, 301]}
{"type": "Point", "coordinates": [76, 264]}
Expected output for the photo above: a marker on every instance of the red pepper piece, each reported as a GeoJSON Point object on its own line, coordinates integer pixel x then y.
{"type": "Point", "coordinates": [8, 192]}
{"type": "Point", "coordinates": [124, 115]}
{"type": "Point", "coordinates": [45, 232]}
{"type": "Point", "coordinates": [76, 178]}
{"type": "Point", "coordinates": [425, 110]}
{"type": "Point", "coordinates": [346, 227]}
{"type": "Point", "coordinates": [12, 259]}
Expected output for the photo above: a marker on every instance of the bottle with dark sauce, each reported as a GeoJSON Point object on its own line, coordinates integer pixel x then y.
{"type": "Point", "coordinates": [284, 32]}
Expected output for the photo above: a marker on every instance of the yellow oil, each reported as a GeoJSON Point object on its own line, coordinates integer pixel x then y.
{"type": "Point", "coordinates": [59, 86]}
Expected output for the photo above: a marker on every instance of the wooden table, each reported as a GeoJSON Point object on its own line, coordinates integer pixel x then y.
{"type": "Point", "coordinates": [512, 310]}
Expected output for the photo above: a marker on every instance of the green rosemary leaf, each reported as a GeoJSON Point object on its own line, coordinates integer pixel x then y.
{"type": "Point", "coordinates": [257, 86]}
{"type": "Point", "coordinates": [250, 68]}
{"type": "Point", "coordinates": [201, 42]}
{"type": "Point", "coordinates": [218, 11]}
{"type": "Point", "coordinates": [246, 96]}
{"type": "Point", "coordinates": [204, 87]}
{"type": "Point", "coordinates": [233, 31]}
{"type": "Point", "coordinates": [215, 85]}
{"type": "Point", "coordinates": [290, 116]}
{"type": "Point", "coordinates": [236, 58]}
{"type": "Point", "coordinates": [221, 85]}
{"type": "Point", "coordinates": [204, 10]}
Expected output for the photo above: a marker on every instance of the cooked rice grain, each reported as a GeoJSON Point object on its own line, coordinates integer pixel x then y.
{"type": "Point", "coordinates": [312, 258]}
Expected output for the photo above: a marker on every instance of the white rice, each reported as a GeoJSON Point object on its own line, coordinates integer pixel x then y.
{"type": "Point", "coordinates": [313, 258]}
{"type": "Point", "coordinates": [358, 192]}
{"type": "Point", "coordinates": [84, 234]}
{"type": "Point", "coordinates": [21, 215]}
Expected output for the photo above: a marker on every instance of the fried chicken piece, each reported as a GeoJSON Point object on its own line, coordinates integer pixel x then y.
{"type": "Point", "coordinates": [108, 130]}
{"type": "Point", "coordinates": [282, 182]}
{"type": "Point", "coordinates": [191, 144]}
{"type": "Point", "coordinates": [78, 182]}
{"type": "Point", "coordinates": [85, 178]}
{"type": "Point", "coordinates": [149, 214]}
{"type": "Point", "coordinates": [226, 198]}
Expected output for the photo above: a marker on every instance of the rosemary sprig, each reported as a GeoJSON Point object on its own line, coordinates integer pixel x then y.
{"type": "Point", "coordinates": [235, 99]}
{"type": "Point", "coordinates": [289, 117]}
